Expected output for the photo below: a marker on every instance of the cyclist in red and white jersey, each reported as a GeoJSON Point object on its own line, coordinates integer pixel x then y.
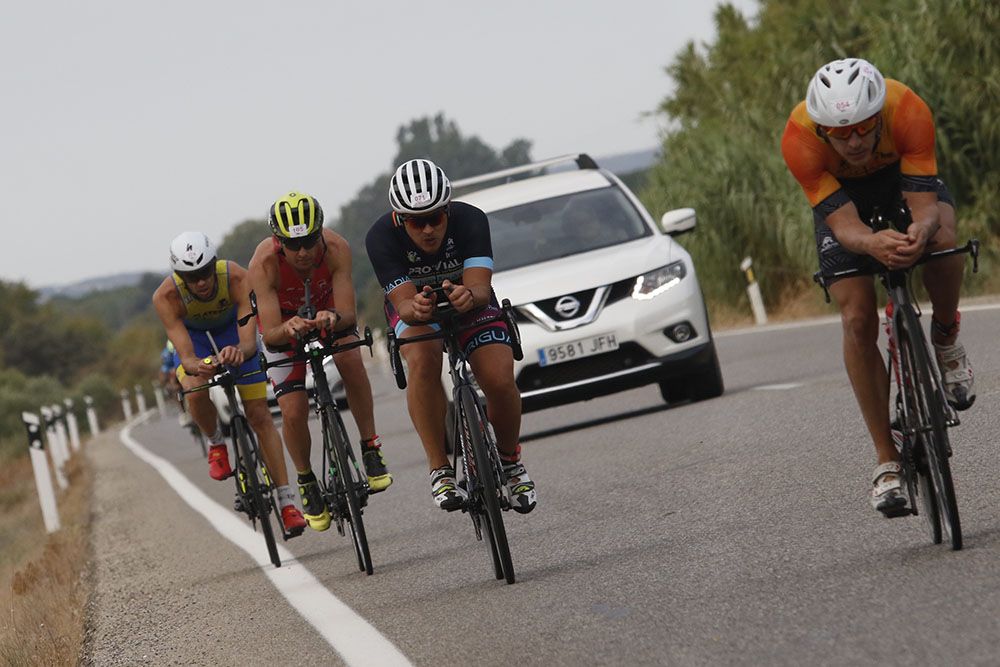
{"type": "Point", "coordinates": [301, 249]}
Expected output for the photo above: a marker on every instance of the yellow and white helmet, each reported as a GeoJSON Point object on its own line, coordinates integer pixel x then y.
{"type": "Point", "coordinates": [295, 215]}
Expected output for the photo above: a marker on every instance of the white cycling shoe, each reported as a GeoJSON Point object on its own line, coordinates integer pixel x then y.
{"type": "Point", "coordinates": [888, 495]}
{"type": "Point", "coordinates": [957, 375]}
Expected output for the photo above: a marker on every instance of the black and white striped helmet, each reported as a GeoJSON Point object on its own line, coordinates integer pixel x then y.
{"type": "Point", "coordinates": [419, 187]}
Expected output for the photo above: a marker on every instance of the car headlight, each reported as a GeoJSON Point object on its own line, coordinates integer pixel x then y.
{"type": "Point", "coordinates": [659, 280]}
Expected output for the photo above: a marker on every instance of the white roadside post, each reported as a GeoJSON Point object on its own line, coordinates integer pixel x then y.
{"type": "Point", "coordinates": [126, 406]}
{"type": "Point", "coordinates": [753, 291]}
{"type": "Point", "coordinates": [160, 403]}
{"type": "Point", "coordinates": [58, 457]}
{"type": "Point", "coordinates": [74, 428]}
{"type": "Point", "coordinates": [40, 464]}
{"type": "Point", "coordinates": [61, 432]}
{"type": "Point", "coordinates": [91, 416]}
{"type": "Point", "coordinates": [140, 399]}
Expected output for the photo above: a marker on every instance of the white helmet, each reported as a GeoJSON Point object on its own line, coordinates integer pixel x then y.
{"type": "Point", "coordinates": [419, 187]}
{"type": "Point", "coordinates": [191, 251]}
{"type": "Point", "coordinates": [844, 92]}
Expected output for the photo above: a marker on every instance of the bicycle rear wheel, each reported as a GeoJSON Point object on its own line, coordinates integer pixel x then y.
{"type": "Point", "coordinates": [348, 483]}
{"type": "Point", "coordinates": [488, 483]}
{"type": "Point", "coordinates": [257, 492]}
{"type": "Point", "coordinates": [925, 402]}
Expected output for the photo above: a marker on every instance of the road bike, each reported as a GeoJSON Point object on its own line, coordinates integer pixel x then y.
{"type": "Point", "coordinates": [922, 414]}
{"type": "Point", "coordinates": [255, 492]}
{"type": "Point", "coordinates": [344, 487]}
{"type": "Point", "coordinates": [482, 474]}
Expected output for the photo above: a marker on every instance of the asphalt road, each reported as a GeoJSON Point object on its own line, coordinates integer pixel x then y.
{"type": "Point", "coordinates": [733, 531]}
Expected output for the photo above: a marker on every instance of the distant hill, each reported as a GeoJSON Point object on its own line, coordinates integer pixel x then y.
{"type": "Point", "coordinates": [84, 287]}
{"type": "Point", "coordinates": [624, 164]}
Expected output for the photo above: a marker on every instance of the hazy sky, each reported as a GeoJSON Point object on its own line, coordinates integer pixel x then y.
{"type": "Point", "coordinates": [126, 122]}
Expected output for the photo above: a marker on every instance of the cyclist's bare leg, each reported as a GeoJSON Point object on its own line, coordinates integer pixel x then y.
{"type": "Point", "coordinates": [493, 366]}
{"type": "Point", "coordinates": [200, 406]}
{"type": "Point", "coordinates": [943, 277]}
{"type": "Point", "coordinates": [295, 427]}
{"type": "Point", "coordinates": [358, 389]}
{"type": "Point", "coordinates": [425, 398]}
{"type": "Point", "coordinates": [270, 443]}
{"type": "Point", "coordinates": [865, 367]}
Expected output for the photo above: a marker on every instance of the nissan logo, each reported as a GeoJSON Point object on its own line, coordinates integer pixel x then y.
{"type": "Point", "coordinates": [567, 306]}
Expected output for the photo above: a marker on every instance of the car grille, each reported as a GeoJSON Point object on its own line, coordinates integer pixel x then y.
{"type": "Point", "coordinates": [619, 290]}
{"type": "Point", "coordinates": [535, 377]}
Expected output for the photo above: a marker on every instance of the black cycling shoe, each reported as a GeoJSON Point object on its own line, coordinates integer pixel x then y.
{"type": "Point", "coordinates": [379, 477]}
{"type": "Point", "coordinates": [313, 506]}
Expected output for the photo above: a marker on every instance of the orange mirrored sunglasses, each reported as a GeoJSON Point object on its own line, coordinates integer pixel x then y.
{"type": "Point", "coordinates": [845, 131]}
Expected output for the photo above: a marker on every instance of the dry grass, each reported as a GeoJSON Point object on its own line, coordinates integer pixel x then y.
{"type": "Point", "coordinates": [44, 576]}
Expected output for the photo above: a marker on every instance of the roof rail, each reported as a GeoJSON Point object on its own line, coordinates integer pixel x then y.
{"type": "Point", "coordinates": [583, 161]}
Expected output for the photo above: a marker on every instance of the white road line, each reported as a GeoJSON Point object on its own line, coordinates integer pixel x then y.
{"type": "Point", "coordinates": [832, 319]}
{"type": "Point", "coordinates": [357, 642]}
{"type": "Point", "coordinates": [777, 387]}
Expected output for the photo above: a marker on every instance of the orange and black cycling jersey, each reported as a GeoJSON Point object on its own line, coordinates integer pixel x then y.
{"type": "Point", "coordinates": [906, 138]}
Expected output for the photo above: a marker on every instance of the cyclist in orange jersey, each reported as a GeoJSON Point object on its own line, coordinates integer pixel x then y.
{"type": "Point", "coordinates": [859, 142]}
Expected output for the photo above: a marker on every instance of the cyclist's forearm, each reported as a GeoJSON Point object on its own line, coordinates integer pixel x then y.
{"type": "Point", "coordinates": [275, 336]}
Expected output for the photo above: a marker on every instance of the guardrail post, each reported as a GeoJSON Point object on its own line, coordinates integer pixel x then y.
{"type": "Point", "coordinates": [74, 428]}
{"type": "Point", "coordinates": [59, 456]}
{"type": "Point", "coordinates": [753, 291]}
{"type": "Point", "coordinates": [40, 465]}
{"type": "Point", "coordinates": [91, 416]}
{"type": "Point", "coordinates": [140, 399]}
{"type": "Point", "coordinates": [126, 405]}
{"type": "Point", "coordinates": [160, 403]}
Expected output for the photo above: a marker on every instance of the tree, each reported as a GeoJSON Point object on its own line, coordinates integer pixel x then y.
{"type": "Point", "coordinates": [733, 97]}
{"type": "Point", "coordinates": [436, 139]}
{"type": "Point", "coordinates": [241, 241]}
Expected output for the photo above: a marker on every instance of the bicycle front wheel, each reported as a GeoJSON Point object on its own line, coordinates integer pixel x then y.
{"type": "Point", "coordinates": [256, 491]}
{"type": "Point", "coordinates": [349, 485]}
{"type": "Point", "coordinates": [487, 481]}
{"type": "Point", "coordinates": [926, 406]}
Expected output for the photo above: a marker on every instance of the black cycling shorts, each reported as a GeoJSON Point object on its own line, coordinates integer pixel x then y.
{"type": "Point", "coordinates": [882, 190]}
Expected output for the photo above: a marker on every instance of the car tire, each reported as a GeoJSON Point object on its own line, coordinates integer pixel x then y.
{"type": "Point", "coordinates": [708, 383]}
{"type": "Point", "coordinates": [699, 386]}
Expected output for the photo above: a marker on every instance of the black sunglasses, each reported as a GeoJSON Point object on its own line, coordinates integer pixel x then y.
{"type": "Point", "coordinates": [435, 219]}
{"type": "Point", "coordinates": [203, 273]}
{"type": "Point", "coordinates": [304, 242]}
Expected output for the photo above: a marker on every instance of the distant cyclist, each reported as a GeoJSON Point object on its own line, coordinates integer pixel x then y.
{"type": "Point", "coordinates": [857, 142]}
{"type": "Point", "coordinates": [301, 249]}
{"type": "Point", "coordinates": [204, 295]}
{"type": "Point", "coordinates": [427, 241]}
{"type": "Point", "coordinates": [168, 368]}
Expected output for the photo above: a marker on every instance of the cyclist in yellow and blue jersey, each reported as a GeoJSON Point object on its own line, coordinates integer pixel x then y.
{"type": "Point", "coordinates": [205, 295]}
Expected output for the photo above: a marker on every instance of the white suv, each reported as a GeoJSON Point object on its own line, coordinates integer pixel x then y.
{"type": "Point", "coordinates": [605, 300]}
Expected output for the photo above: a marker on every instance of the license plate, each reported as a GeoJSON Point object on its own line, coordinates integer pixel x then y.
{"type": "Point", "coordinates": [577, 349]}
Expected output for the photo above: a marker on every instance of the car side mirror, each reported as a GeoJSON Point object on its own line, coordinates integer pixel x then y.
{"type": "Point", "coordinates": [678, 221]}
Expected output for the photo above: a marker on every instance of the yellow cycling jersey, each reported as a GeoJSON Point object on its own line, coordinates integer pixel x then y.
{"type": "Point", "coordinates": [214, 313]}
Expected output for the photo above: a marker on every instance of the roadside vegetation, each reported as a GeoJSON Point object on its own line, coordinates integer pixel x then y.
{"type": "Point", "coordinates": [721, 155]}
{"type": "Point", "coordinates": [733, 97]}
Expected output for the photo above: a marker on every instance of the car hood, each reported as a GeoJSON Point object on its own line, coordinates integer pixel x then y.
{"type": "Point", "coordinates": [587, 270]}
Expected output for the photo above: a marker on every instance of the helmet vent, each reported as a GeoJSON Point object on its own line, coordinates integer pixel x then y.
{"type": "Point", "coordinates": [825, 81]}
{"type": "Point", "coordinates": [854, 75]}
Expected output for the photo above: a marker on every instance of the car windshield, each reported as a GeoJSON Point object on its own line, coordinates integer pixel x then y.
{"type": "Point", "coordinates": [562, 226]}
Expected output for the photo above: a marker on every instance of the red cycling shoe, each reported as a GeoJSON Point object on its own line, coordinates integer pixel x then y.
{"type": "Point", "coordinates": [293, 520]}
{"type": "Point", "coordinates": [218, 463]}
